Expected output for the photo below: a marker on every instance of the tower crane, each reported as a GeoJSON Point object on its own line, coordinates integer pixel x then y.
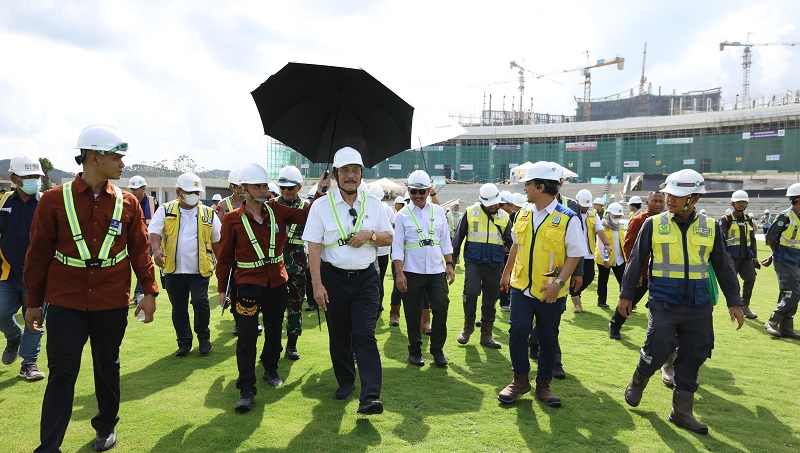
{"type": "Point", "coordinates": [521, 79]}
{"type": "Point", "coordinates": [747, 62]}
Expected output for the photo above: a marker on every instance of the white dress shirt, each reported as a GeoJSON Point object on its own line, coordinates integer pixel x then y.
{"type": "Point", "coordinates": [426, 259]}
{"type": "Point", "coordinates": [186, 261]}
{"type": "Point", "coordinates": [321, 229]}
{"type": "Point", "coordinates": [383, 251]}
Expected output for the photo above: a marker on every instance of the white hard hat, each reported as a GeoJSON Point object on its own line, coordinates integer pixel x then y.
{"type": "Point", "coordinates": [190, 182]}
{"type": "Point", "coordinates": [418, 179]}
{"type": "Point", "coordinates": [615, 209]}
{"type": "Point", "coordinates": [104, 139]}
{"type": "Point", "coordinates": [766, 211]}
{"type": "Point", "coordinates": [506, 197]}
{"type": "Point", "coordinates": [684, 182]}
{"type": "Point", "coordinates": [543, 170]}
{"type": "Point", "coordinates": [289, 176]}
{"type": "Point", "coordinates": [312, 191]}
{"type": "Point", "coordinates": [793, 190]}
{"type": "Point", "coordinates": [598, 201]}
{"type": "Point", "coordinates": [136, 182]}
{"type": "Point", "coordinates": [406, 196]}
{"type": "Point", "coordinates": [376, 191]}
{"type": "Point", "coordinates": [399, 200]}
{"type": "Point", "coordinates": [347, 156]}
{"type": "Point", "coordinates": [274, 188]}
{"type": "Point", "coordinates": [233, 177]}
{"type": "Point", "coordinates": [489, 194]}
{"type": "Point", "coordinates": [634, 200]}
{"type": "Point", "coordinates": [750, 214]}
{"type": "Point", "coordinates": [739, 195]}
{"type": "Point", "coordinates": [519, 199]}
{"type": "Point", "coordinates": [702, 211]}
{"type": "Point", "coordinates": [728, 211]}
{"type": "Point", "coordinates": [584, 198]}
{"type": "Point", "coordinates": [25, 166]}
{"type": "Point", "coordinates": [216, 197]}
{"type": "Point", "coordinates": [253, 174]}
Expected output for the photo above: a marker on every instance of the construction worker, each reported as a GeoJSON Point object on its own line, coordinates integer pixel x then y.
{"type": "Point", "coordinates": [251, 249]}
{"type": "Point", "coordinates": [274, 190]}
{"type": "Point", "coordinates": [216, 199]}
{"type": "Point", "coordinates": [611, 256]}
{"type": "Point", "coordinates": [137, 185]}
{"type": "Point", "coordinates": [86, 236]}
{"type": "Point", "coordinates": [599, 206]}
{"type": "Point", "coordinates": [421, 240]}
{"type": "Point", "coordinates": [635, 206]}
{"type": "Point", "coordinates": [234, 200]}
{"type": "Point", "coordinates": [539, 266]}
{"type": "Point", "coordinates": [591, 223]}
{"type": "Point", "coordinates": [685, 247]}
{"type": "Point", "coordinates": [343, 230]}
{"type": "Point", "coordinates": [383, 252]}
{"type": "Point", "coordinates": [395, 298]}
{"type": "Point", "coordinates": [184, 236]}
{"type": "Point", "coordinates": [486, 230]}
{"type": "Point", "coordinates": [453, 217]}
{"type": "Point", "coordinates": [783, 239]}
{"type": "Point", "coordinates": [506, 204]}
{"type": "Point", "coordinates": [740, 239]}
{"type": "Point", "coordinates": [766, 221]}
{"type": "Point", "coordinates": [17, 208]}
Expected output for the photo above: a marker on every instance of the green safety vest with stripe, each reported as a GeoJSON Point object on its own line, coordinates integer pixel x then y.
{"type": "Point", "coordinates": [263, 260]}
{"type": "Point", "coordinates": [295, 234]}
{"type": "Point", "coordinates": [205, 226]}
{"type": "Point", "coordinates": [423, 242]}
{"type": "Point", "coordinates": [114, 229]}
{"type": "Point", "coordinates": [344, 238]}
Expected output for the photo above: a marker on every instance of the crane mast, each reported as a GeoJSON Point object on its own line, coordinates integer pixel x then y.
{"type": "Point", "coordinates": [747, 62]}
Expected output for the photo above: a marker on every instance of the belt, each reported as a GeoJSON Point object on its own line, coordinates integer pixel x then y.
{"type": "Point", "coordinates": [345, 272]}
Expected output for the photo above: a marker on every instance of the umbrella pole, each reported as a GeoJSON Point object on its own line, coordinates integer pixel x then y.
{"type": "Point", "coordinates": [422, 151]}
{"type": "Point", "coordinates": [330, 149]}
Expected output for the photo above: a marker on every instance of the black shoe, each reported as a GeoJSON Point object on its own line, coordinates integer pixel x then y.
{"type": "Point", "coordinates": [107, 442]}
{"type": "Point", "coordinates": [11, 352]}
{"type": "Point", "coordinates": [415, 358]}
{"type": "Point", "coordinates": [273, 378]}
{"type": "Point", "coordinates": [205, 347]}
{"type": "Point", "coordinates": [246, 400]}
{"type": "Point", "coordinates": [439, 358]}
{"type": "Point", "coordinates": [370, 406]}
{"type": "Point", "coordinates": [605, 306]}
{"type": "Point", "coordinates": [558, 371]}
{"type": "Point", "coordinates": [613, 332]}
{"type": "Point", "coordinates": [343, 392]}
{"type": "Point", "coordinates": [182, 351]}
{"type": "Point", "coordinates": [291, 353]}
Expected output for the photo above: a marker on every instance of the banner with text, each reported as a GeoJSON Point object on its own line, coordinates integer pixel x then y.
{"type": "Point", "coordinates": [465, 167]}
{"type": "Point", "coordinates": [395, 166]}
{"type": "Point", "coordinates": [674, 141]}
{"type": "Point", "coordinates": [764, 134]}
{"type": "Point", "coordinates": [581, 146]}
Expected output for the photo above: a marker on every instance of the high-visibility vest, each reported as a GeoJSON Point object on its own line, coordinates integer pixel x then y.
{"type": "Point", "coordinates": [732, 238]}
{"type": "Point", "coordinates": [669, 247]}
{"type": "Point", "coordinates": [344, 238]}
{"type": "Point", "coordinates": [423, 241]}
{"type": "Point", "coordinates": [295, 234]}
{"type": "Point", "coordinates": [172, 226]}
{"type": "Point", "coordinates": [114, 229]}
{"type": "Point", "coordinates": [789, 235]}
{"type": "Point", "coordinates": [598, 250]}
{"type": "Point", "coordinates": [5, 266]}
{"type": "Point", "coordinates": [263, 260]}
{"type": "Point", "coordinates": [590, 233]}
{"type": "Point", "coordinates": [484, 241]}
{"type": "Point", "coordinates": [542, 254]}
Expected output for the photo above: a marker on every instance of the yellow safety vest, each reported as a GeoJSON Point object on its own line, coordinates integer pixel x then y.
{"type": "Point", "coordinates": [590, 233]}
{"type": "Point", "coordinates": [789, 236]}
{"type": "Point", "coordinates": [480, 229]}
{"type": "Point", "coordinates": [668, 247]}
{"type": "Point", "coordinates": [598, 250]}
{"type": "Point", "coordinates": [541, 254]}
{"type": "Point", "coordinates": [172, 226]}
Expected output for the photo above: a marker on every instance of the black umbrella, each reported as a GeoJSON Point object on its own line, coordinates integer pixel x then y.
{"type": "Point", "coordinates": [317, 110]}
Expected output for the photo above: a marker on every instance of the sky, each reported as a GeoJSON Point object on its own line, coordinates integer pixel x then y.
{"type": "Point", "coordinates": [174, 77]}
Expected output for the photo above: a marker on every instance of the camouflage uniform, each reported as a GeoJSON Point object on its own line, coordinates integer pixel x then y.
{"type": "Point", "coordinates": [296, 262]}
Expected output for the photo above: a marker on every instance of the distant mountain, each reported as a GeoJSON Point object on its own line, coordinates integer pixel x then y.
{"type": "Point", "coordinates": [57, 175]}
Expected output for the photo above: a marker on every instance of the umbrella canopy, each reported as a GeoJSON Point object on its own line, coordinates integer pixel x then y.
{"type": "Point", "coordinates": [316, 110]}
{"type": "Point", "coordinates": [389, 186]}
{"type": "Point", "coordinates": [427, 129]}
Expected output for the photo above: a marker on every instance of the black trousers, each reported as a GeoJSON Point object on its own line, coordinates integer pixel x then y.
{"type": "Point", "coordinates": [602, 280]}
{"type": "Point", "coordinates": [481, 280]}
{"type": "Point", "coordinates": [353, 307]}
{"type": "Point", "coordinates": [383, 263]}
{"type": "Point", "coordinates": [435, 287]}
{"type": "Point", "coordinates": [396, 296]}
{"type": "Point", "coordinates": [588, 277]}
{"type": "Point", "coordinates": [747, 270]}
{"type": "Point", "coordinates": [250, 301]}
{"type": "Point", "coordinates": [618, 320]}
{"type": "Point", "coordinates": [67, 332]}
{"type": "Point", "coordinates": [179, 287]}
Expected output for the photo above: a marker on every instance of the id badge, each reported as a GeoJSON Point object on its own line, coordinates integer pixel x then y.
{"type": "Point", "coordinates": [117, 226]}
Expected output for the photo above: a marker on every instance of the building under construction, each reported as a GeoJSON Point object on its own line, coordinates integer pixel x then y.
{"type": "Point", "coordinates": [647, 104]}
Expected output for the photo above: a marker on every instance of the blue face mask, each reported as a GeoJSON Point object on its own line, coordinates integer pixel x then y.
{"type": "Point", "coordinates": [31, 186]}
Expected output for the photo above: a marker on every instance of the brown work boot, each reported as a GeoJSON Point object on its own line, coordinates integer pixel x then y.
{"type": "Point", "coordinates": [544, 394]}
{"type": "Point", "coordinates": [519, 386]}
{"type": "Point", "coordinates": [668, 370]}
{"type": "Point", "coordinates": [425, 325]}
{"type": "Point", "coordinates": [486, 336]}
{"type": "Point", "coordinates": [681, 414]}
{"type": "Point", "coordinates": [633, 394]}
{"type": "Point", "coordinates": [747, 312]}
{"type": "Point", "coordinates": [773, 325]}
{"type": "Point", "coordinates": [469, 327]}
{"type": "Point", "coordinates": [787, 329]}
{"type": "Point", "coordinates": [576, 304]}
{"type": "Point", "coordinates": [394, 315]}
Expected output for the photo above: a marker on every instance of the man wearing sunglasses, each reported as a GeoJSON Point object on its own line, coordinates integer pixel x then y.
{"type": "Point", "coordinates": [343, 230]}
{"type": "Point", "coordinates": [420, 244]}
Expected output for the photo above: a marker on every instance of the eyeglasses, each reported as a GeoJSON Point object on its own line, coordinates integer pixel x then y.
{"type": "Point", "coordinates": [353, 213]}
{"type": "Point", "coordinates": [417, 191]}
{"type": "Point", "coordinates": [287, 188]}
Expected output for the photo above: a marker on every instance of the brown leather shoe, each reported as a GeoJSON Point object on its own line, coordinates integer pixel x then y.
{"type": "Point", "coordinates": [544, 394]}
{"type": "Point", "coordinates": [486, 336]}
{"type": "Point", "coordinates": [520, 385]}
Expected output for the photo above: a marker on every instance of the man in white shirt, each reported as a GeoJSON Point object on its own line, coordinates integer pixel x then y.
{"type": "Point", "coordinates": [421, 240]}
{"type": "Point", "coordinates": [383, 252]}
{"type": "Point", "coordinates": [184, 235]}
{"type": "Point", "coordinates": [343, 230]}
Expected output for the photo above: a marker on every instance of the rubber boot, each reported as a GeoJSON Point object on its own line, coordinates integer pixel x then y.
{"type": "Point", "coordinates": [544, 394]}
{"type": "Point", "coordinates": [633, 394]}
{"type": "Point", "coordinates": [746, 309]}
{"type": "Point", "coordinates": [519, 386]}
{"type": "Point", "coordinates": [787, 329]}
{"type": "Point", "coordinates": [668, 371]}
{"type": "Point", "coordinates": [291, 347]}
{"type": "Point", "coordinates": [469, 327]}
{"type": "Point", "coordinates": [394, 315]}
{"type": "Point", "coordinates": [486, 336]}
{"type": "Point", "coordinates": [576, 304]}
{"type": "Point", "coordinates": [773, 325]}
{"type": "Point", "coordinates": [425, 325]}
{"type": "Point", "coordinates": [681, 414]}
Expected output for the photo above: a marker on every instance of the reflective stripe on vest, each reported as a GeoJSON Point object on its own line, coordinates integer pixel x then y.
{"type": "Point", "coordinates": [344, 238]}
{"type": "Point", "coordinates": [262, 260]}
{"type": "Point", "coordinates": [540, 253]}
{"type": "Point", "coordinates": [732, 238]}
{"type": "Point", "coordinates": [789, 235]}
{"type": "Point", "coordinates": [422, 241]}
{"type": "Point", "coordinates": [293, 227]}
{"type": "Point", "coordinates": [171, 231]}
{"type": "Point", "coordinates": [228, 203]}
{"type": "Point", "coordinates": [669, 248]}
{"type": "Point", "coordinates": [478, 230]}
{"type": "Point", "coordinates": [114, 228]}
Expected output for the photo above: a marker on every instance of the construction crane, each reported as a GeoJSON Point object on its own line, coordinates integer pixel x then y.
{"type": "Point", "coordinates": [521, 80]}
{"type": "Point", "coordinates": [747, 62]}
{"type": "Point", "coordinates": [643, 79]}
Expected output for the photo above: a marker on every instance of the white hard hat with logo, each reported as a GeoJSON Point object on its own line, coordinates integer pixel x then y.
{"type": "Point", "coordinates": [506, 197]}
{"type": "Point", "coordinates": [615, 209]}
{"type": "Point", "coordinates": [233, 177]}
{"type": "Point", "coordinates": [289, 176]}
{"type": "Point", "coordinates": [543, 170]}
{"type": "Point", "coordinates": [216, 197]}
{"type": "Point", "coordinates": [103, 139]}
{"type": "Point", "coordinates": [418, 179]}
{"type": "Point", "coordinates": [793, 190]}
{"type": "Point", "coordinates": [136, 182]}
{"type": "Point", "coordinates": [253, 174]}
{"type": "Point", "coordinates": [739, 195]}
{"type": "Point", "coordinates": [489, 195]}
{"type": "Point", "coordinates": [683, 183]}
{"type": "Point", "coordinates": [22, 165]}
{"type": "Point", "coordinates": [347, 156]}
{"type": "Point", "coordinates": [376, 191]}
{"type": "Point", "coordinates": [190, 182]}
{"type": "Point", "coordinates": [584, 198]}
{"type": "Point", "coordinates": [635, 200]}
{"type": "Point", "coordinates": [519, 200]}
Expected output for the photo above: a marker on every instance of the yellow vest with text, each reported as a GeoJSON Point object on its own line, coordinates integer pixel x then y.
{"type": "Point", "coordinates": [205, 225]}
{"type": "Point", "coordinates": [668, 247]}
{"type": "Point", "coordinates": [598, 251]}
{"type": "Point", "coordinates": [541, 253]}
{"type": "Point", "coordinates": [484, 241]}
{"type": "Point", "coordinates": [732, 238]}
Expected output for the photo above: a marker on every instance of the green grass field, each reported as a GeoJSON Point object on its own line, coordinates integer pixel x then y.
{"type": "Point", "coordinates": [748, 393]}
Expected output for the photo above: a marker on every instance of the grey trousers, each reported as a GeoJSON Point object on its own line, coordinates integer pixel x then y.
{"type": "Point", "coordinates": [789, 284]}
{"type": "Point", "coordinates": [481, 280]}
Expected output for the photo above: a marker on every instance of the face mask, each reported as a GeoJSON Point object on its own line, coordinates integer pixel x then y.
{"type": "Point", "coordinates": [614, 221]}
{"type": "Point", "coordinates": [191, 199]}
{"type": "Point", "coordinates": [31, 186]}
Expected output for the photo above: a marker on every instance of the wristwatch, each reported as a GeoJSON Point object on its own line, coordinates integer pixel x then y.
{"type": "Point", "coordinates": [560, 283]}
{"type": "Point", "coordinates": [374, 236]}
